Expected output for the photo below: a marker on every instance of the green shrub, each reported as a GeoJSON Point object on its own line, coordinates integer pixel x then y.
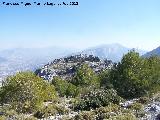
{"type": "Point", "coordinates": [123, 117]}
{"type": "Point", "coordinates": [107, 112]}
{"type": "Point", "coordinates": [61, 110]}
{"type": "Point", "coordinates": [136, 76]}
{"type": "Point", "coordinates": [3, 118]}
{"type": "Point", "coordinates": [85, 115]}
{"type": "Point", "coordinates": [65, 88]}
{"type": "Point", "coordinates": [137, 109]}
{"type": "Point", "coordinates": [110, 108]}
{"type": "Point", "coordinates": [26, 92]}
{"type": "Point", "coordinates": [140, 114]}
{"type": "Point", "coordinates": [105, 80]}
{"type": "Point", "coordinates": [156, 97]}
{"type": "Point", "coordinates": [144, 100]}
{"type": "Point", "coordinates": [24, 117]}
{"type": "Point", "coordinates": [31, 118]}
{"type": "Point", "coordinates": [72, 90]}
{"type": "Point", "coordinates": [97, 98]}
{"type": "Point", "coordinates": [85, 90]}
{"type": "Point", "coordinates": [67, 117]}
{"type": "Point", "coordinates": [85, 76]}
{"type": "Point", "coordinates": [50, 110]}
{"type": "Point", "coordinates": [136, 106]}
{"type": "Point", "coordinates": [46, 111]}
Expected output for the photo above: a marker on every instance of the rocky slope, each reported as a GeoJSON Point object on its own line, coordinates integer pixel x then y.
{"type": "Point", "coordinates": [153, 52]}
{"type": "Point", "coordinates": [66, 67]}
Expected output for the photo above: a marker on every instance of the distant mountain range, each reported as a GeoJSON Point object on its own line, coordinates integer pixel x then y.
{"type": "Point", "coordinates": [112, 52]}
{"type": "Point", "coordinates": [153, 52]}
{"type": "Point", "coordinates": [22, 59]}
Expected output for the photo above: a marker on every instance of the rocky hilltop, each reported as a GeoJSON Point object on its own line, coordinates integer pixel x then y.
{"type": "Point", "coordinates": [66, 67]}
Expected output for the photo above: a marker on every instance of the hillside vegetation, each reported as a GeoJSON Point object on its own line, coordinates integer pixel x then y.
{"type": "Point", "coordinates": [86, 94]}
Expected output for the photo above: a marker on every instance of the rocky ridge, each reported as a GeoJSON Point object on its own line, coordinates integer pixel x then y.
{"type": "Point", "coordinates": [66, 67]}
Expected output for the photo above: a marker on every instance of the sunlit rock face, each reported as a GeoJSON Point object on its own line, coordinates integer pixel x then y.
{"type": "Point", "coordinates": [66, 67]}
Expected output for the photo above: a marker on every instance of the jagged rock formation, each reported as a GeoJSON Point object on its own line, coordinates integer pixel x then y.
{"type": "Point", "coordinates": [66, 67]}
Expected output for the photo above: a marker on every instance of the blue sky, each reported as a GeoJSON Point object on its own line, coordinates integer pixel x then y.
{"type": "Point", "coordinates": [132, 23]}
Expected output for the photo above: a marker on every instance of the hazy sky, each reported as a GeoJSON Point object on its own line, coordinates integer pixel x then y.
{"type": "Point", "coordinates": [133, 23]}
